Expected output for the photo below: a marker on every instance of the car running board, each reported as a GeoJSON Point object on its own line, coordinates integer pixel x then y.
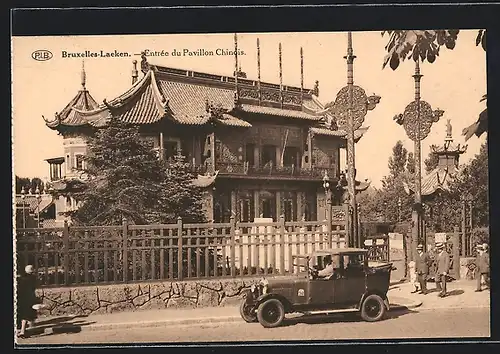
{"type": "Point", "coordinates": [324, 312]}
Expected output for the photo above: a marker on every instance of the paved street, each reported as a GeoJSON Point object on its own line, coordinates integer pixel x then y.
{"type": "Point", "coordinates": [419, 323]}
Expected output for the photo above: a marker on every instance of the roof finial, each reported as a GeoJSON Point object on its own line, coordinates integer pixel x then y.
{"type": "Point", "coordinates": [83, 75]}
{"type": "Point", "coordinates": [258, 70]}
{"type": "Point", "coordinates": [135, 73]}
{"type": "Point", "coordinates": [301, 75]}
{"type": "Point", "coordinates": [350, 59]}
{"type": "Point", "coordinates": [236, 93]}
{"type": "Point", "coordinates": [449, 136]}
{"type": "Point", "coordinates": [281, 75]}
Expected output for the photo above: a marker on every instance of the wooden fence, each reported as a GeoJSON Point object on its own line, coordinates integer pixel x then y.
{"type": "Point", "coordinates": [70, 256]}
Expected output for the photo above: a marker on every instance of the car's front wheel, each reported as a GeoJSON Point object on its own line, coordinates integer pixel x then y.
{"type": "Point", "coordinates": [271, 313]}
{"type": "Point", "coordinates": [373, 308]}
{"type": "Point", "coordinates": [246, 313]}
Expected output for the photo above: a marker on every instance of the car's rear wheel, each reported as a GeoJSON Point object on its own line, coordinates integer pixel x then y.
{"type": "Point", "coordinates": [246, 313]}
{"type": "Point", "coordinates": [373, 308]}
{"type": "Point", "coordinates": [271, 313]}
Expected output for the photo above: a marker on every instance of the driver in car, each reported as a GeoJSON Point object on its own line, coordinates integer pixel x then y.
{"type": "Point", "coordinates": [329, 268]}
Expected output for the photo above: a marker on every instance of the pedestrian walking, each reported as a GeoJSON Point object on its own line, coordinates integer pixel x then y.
{"type": "Point", "coordinates": [422, 268]}
{"type": "Point", "coordinates": [483, 266]}
{"type": "Point", "coordinates": [26, 299]}
{"type": "Point", "coordinates": [413, 276]}
{"type": "Point", "coordinates": [443, 266]}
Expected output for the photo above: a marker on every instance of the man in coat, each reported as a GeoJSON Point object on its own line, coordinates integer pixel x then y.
{"type": "Point", "coordinates": [422, 268]}
{"type": "Point", "coordinates": [443, 266]}
{"type": "Point", "coordinates": [483, 266]}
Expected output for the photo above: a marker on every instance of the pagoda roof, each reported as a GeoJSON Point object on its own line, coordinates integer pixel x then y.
{"type": "Point", "coordinates": [183, 96]}
{"type": "Point", "coordinates": [450, 149]}
{"type": "Point", "coordinates": [75, 112]}
{"type": "Point", "coordinates": [436, 180]}
{"type": "Point", "coordinates": [34, 203]}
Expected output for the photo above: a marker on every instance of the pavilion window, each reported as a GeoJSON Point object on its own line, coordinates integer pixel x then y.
{"type": "Point", "coordinates": [249, 154]}
{"type": "Point", "coordinates": [290, 156]}
{"type": "Point", "coordinates": [268, 155]}
{"type": "Point", "coordinates": [79, 163]}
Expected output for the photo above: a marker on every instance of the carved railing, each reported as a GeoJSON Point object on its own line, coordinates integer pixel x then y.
{"type": "Point", "coordinates": [244, 168]}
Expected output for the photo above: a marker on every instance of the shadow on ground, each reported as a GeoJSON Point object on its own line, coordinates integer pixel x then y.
{"type": "Point", "coordinates": [58, 325]}
{"type": "Point", "coordinates": [340, 318]}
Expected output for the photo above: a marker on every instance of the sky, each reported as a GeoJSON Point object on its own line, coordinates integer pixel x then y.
{"type": "Point", "coordinates": [455, 83]}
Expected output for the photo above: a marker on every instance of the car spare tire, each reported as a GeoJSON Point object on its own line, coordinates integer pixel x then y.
{"type": "Point", "coordinates": [271, 313]}
{"type": "Point", "coordinates": [373, 308]}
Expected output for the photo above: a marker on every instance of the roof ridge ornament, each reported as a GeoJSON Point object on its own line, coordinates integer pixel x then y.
{"type": "Point", "coordinates": [144, 63]}
{"type": "Point", "coordinates": [83, 76]}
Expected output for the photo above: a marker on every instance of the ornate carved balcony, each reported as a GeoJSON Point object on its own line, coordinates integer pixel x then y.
{"type": "Point", "coordinates": [270, 171]}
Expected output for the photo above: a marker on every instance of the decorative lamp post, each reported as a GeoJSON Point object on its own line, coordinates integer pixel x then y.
{"type": "Point", "coordinates": [385, 211]}
{"type": "Point", "coordinates": [349, 110]}
{"type": "Point", "coordinates": [23, 197]}
{"type": "Point", "coordinates": [38, 200]}
{"type": "Point", "coordinates": [417, 120]}
{"type": "Point", "coordinates": [399, 209]}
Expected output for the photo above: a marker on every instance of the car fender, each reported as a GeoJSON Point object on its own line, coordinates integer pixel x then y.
{"type": "Point", "coordinates": [266, 297]}
{"type": "Point", "coordinates": [374, 292]}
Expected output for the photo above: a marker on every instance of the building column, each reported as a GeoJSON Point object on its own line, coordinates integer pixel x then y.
{"type": "Point", "coordinates": [279, 210]}
{"type": "Point", "coordinates": [256, 203]}
{"type": "Point", "coordinates": [234, 207]}
{"type": "Point", "coordinates": [321, 206]}
{"type": "Point", "coordinates": [300, 205]}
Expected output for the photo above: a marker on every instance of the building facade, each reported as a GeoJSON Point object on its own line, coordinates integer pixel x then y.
{"type": "Point", "coordinates": [259, 149]}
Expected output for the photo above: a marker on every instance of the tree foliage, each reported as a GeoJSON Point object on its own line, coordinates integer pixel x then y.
{"type": "Point", "coordinates": [29, 185]}
{"type": "Point", "coordinates": [127, 180]}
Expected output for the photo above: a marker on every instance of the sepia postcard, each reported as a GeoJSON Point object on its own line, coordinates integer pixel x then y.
{"type": "Point", "coordinates": [250, 187]}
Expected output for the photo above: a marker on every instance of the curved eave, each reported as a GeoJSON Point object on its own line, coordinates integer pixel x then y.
{"type": "Point", "coordinates": [143, 103]}
{"type": "Point", "coordinates": [358, 134]}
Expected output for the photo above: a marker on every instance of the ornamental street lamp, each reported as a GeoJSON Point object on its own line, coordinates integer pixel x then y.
{"type": "Point", "coordinates": [23, 196]}
{"type": "Point", "coordinates": [399, 209]}
{"type": "Point", "coordinates": [328, 207]}
{"type": "Point", "coordinates": [38, 200]}
{"type": "Point", "coordinates": [417, 120]}
{"type": "Point", "coordinates": [349, 110]}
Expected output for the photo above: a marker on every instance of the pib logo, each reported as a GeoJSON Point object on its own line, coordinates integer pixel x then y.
{"type": "Point", "coordinates": [42, 55]}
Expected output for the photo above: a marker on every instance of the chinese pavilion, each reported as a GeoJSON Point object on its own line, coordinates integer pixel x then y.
{"type": "Point", "coordinates": [260, 149]}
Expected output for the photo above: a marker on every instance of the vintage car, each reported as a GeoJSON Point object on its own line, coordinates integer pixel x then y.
{"type": "Point", "coordinates": [355, 285]}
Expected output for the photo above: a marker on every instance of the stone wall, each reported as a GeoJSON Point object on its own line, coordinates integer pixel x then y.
{"type": "Point", "coordinates": [101, 299]}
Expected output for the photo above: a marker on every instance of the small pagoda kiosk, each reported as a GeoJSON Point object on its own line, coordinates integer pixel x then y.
{"type": "Point", "coordinates": [437, 181]}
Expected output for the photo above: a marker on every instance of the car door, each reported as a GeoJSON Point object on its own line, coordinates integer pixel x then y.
{"type": "Point", "coordinates": [351, 284]}
{"type": "Point", "coordinates": [321, 291]}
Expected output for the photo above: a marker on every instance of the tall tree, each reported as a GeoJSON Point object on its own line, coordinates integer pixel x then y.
{"type": "Point", "coordinates": [425, 45]}
{"type": "Point", "coordinates": [393, 186]}
{"type": "Point", "coordinates": [179, 196]}
{"type": "Point", "coordinates": [473, 181]}
{"type": "Point", "coordinates": [126, 179]}
{"type": "Point", "coordinates": [29, 185]}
